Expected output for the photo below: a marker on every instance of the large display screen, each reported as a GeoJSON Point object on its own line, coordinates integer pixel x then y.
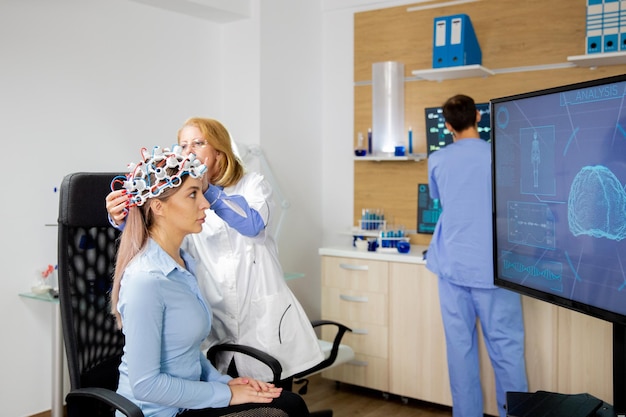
{"type": "Point", "coordinates": [559, 169]}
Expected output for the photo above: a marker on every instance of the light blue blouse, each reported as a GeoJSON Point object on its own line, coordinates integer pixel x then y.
{"type": "Point", "coordinates": [165, 318]}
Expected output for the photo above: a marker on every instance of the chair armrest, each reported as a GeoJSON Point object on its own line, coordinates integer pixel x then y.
{"type": "Point", "coordinates": [259, 355]}
{"type": "Point", "coordinates": [112, 398]}
{"type": "Point", "coordinates": [341, 327]}
{"type": "Point", "coordinates": [341, 330]}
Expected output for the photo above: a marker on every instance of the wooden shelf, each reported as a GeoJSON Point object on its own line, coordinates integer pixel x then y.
{"type": "Point", "coordinates": [597, 60]}
{"type": "Point", "coordinates": [450, 73]}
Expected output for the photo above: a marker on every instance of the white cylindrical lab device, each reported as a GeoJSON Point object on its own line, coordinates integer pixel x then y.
{"type": "Point", "coordinates": [387, 106]}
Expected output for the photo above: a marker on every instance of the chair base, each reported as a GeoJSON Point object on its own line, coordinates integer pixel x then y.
{"type": "Point", "coordinates": [322, 413]}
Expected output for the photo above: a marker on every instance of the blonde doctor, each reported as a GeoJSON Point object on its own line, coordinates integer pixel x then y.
{"type": "Point", "coordinates": [238, 269]}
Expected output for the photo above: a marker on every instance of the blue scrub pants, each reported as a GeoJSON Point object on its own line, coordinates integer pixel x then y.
{"type": "Point", "coordinates": [500, 314]}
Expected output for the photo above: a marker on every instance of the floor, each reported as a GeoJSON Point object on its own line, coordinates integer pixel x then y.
{"type": "Point", "coordinates": [348, 400]}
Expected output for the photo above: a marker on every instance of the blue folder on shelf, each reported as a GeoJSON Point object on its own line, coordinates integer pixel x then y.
{"type": "Point", "coordinates": [605, 26]}
{"type": "Point", "coordinates": [455, 42]}
{"type": "Point", "coordinates": [622, 26]}
{"type": "Point", "coordinates": [594, 26]}
{"type": "Point", "coordinates": [610, 26]}
{"type": "Point", "coordinates": [440, 43]}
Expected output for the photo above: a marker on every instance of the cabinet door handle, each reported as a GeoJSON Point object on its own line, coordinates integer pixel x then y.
{"type": "Point", "coordinates": [354, 267]}
{"type": "Point", "coordinates": [353, 298]}
{"type": "Point", "coordinates": [357, 363]}
{"type": "Point", "coordinates": [360, 331]}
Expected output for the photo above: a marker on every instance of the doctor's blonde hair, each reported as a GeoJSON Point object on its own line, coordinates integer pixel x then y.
{"type": "Point", "coordinates": [231, 169]}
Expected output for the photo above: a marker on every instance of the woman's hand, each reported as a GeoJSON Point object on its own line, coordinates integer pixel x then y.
{"type": "Point", "coordinates": [248, 390]}
{"type": "Point", "coordinates": [116, 202]}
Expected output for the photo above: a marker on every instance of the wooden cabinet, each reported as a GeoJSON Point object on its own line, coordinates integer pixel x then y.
{"type": "Point", "coordinates": [392, 305]}
{"type": "Point", "coordinates": [355, 293]}
{"type": "Point", "coordinates": [415, 333]}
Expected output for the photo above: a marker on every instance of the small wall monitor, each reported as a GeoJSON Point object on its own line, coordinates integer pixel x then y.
{"type": "Point", "coordinates": [428, 210]}
{"type": "Point", "coordinates": [437, 136]}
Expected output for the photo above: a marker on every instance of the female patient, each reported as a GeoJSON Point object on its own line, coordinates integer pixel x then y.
{"type": "Point", "coordinates": [163, 314]}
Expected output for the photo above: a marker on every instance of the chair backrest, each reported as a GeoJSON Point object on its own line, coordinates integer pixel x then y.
{"type": "Point", "coordinates": [87, 246]}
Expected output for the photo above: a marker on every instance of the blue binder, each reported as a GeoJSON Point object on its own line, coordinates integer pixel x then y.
{"type": "Point", "coordinates": [610, 26]}
{"type": "Point", "coordinates": [461, 45]}
{"type": "Point", "coordinates": [594, 26]}
{"type": "Point", "coordinates": [440, 42]}
{"type": "Point", "coordinates": [622, 27]}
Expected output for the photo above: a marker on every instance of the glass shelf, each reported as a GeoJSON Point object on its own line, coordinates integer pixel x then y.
{"type": "Point", "coordinates": [293, 275]}
{"type": "Point", "coordinates": [41, 297]}
{"type": "Point", "coordinates": [356, 231]}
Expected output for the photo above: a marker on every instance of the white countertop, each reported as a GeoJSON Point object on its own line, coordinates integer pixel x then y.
{"type": "Point", "coordinates": [415, 255]}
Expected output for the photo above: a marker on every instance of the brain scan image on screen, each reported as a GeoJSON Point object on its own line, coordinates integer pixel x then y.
{"type": "Point", "coordinates": [597, 204]}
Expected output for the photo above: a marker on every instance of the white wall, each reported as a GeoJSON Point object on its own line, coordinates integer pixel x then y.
{"type": "Point", "coordinates": [85, 83]}
{"type": "Point", "coordinates": [290, 106]}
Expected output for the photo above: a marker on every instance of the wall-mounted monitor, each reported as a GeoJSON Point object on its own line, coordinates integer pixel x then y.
{"type": "Point", "coordinates": [437, 136]}
{"type": "Point", "coordinates": [428, 210]}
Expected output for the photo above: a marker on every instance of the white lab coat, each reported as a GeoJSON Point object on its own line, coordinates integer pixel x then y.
{"type": "Point", "coordinates": [244, 284]}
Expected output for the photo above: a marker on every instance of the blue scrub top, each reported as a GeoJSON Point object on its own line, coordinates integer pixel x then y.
{"type": "Point", "coordinates": [460, 251]}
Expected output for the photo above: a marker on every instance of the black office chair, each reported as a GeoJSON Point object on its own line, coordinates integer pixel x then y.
{"type": "Point", "coordinates": [87, 245]}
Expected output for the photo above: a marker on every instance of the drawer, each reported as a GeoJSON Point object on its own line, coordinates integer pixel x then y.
{"type": "Point", "coordinates": [365, 338]}
{"type": "Point", "coordinates": [355, 274]}
{"type": "Point", "coordinates": [348, 306]}
{"type": "Point", "coordinates": [365, 371]}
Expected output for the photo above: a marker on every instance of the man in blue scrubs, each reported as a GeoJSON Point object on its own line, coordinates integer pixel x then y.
{"type": "Point", "coordinates": [460, 253]}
